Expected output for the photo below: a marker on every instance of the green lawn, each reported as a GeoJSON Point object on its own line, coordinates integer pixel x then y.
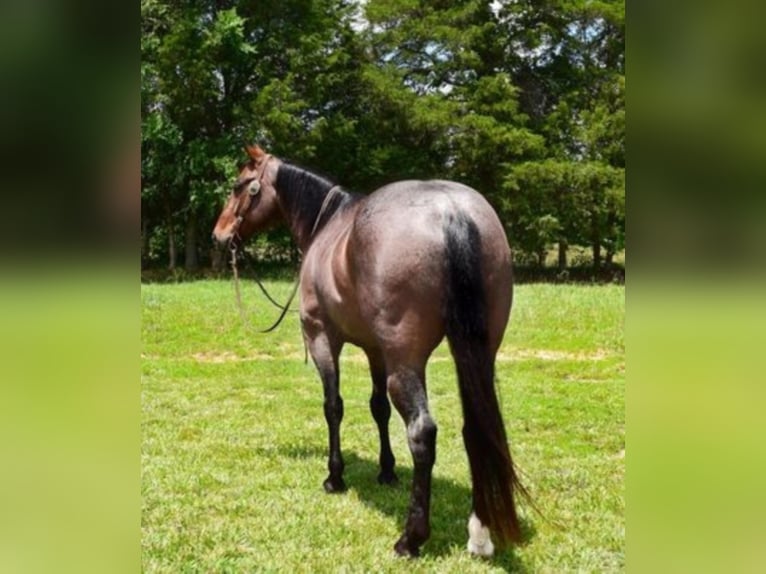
{"type": "Point", "coordinates": [234, 441]}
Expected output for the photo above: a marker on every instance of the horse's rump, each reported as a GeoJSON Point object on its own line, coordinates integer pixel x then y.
{"type": "Point", "coordinates": [398, 248]}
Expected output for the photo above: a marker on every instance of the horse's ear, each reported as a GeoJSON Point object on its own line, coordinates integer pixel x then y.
{"type": "Point", "coordinates": [255, 152]}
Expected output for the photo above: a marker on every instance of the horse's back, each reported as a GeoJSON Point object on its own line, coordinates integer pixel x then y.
{"type": "Point", "coordinates": [423, 209]}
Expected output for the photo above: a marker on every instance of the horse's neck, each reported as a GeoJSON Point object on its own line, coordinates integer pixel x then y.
{"type": "Point", "coordinates": [303, 219]}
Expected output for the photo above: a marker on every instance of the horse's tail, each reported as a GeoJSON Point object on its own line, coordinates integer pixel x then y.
{"type": "Point", "coordinates": [492, 472]}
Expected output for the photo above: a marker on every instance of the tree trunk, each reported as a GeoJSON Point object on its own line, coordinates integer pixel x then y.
{"type": "Point", "coordinates": [144, 241]}
{"type": "Point", "coordinates": [563, 247]}
{"type": "Point", "coordinates": [191, 262]}
{"type": "Point", "coordinates": [216, 259]}
{"type": "Point", "coordinates": [612, 240]}
{"type": "Point", "coordinates": [172, 256]}
{"type": "Point", "coordinates": [596, 253]}
{"type": "Point", "coordinates": [541, 255]}
{"type": "Point", "coordinates": [595, 241]}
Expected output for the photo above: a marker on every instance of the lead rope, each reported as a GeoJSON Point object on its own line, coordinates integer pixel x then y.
{"type": "Point", "coordinates": [285, 308]}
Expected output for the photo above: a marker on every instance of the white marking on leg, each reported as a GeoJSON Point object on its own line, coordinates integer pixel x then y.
{"type": "Point", "coordinates": [479, 542]}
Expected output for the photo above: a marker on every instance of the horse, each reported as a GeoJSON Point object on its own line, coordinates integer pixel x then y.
{"type": "Point", "coordinates": [394, 272]}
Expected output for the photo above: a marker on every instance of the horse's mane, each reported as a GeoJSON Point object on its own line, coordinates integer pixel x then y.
{"type": "Point", "coordinates": [302, 193]}
{"type": "Point", "coordinates": [301, 190]}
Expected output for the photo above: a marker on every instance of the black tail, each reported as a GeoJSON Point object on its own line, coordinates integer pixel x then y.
{"type": "Point", "coordinates": [494, 479]}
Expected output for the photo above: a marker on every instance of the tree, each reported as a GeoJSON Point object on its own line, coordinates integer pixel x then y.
{"type": "Point", "coordinates": [192, 59]}
{"type": "Point", "coordinates": [522, 100]}
{"type": "Point", "coordinates": [567, 57]}
{"type": "Point", "coordinates": [218, 74]}
{"type": "Point", "coordinates": [439, 64]}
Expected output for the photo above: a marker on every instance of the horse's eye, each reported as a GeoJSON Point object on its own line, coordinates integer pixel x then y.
{"type": "Point", "coordinates": [239, 185]}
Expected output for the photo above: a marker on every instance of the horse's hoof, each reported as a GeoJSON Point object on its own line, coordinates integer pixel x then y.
{"type": "Point", "coordinates": [334, 486]}
{"type": "Point", "coordinates": [403, 549]}
{"type": "Point", "coordinates": [479, 541]}
{"type": "Point", "coordinates": [388, 478]}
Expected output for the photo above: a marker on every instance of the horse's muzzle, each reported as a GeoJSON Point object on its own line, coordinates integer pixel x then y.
{"type": "Point", "coordinates": [221, 239]}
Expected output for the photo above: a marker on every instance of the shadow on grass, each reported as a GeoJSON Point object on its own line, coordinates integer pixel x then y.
{"type": "Point", "coordinates": [450, 504]}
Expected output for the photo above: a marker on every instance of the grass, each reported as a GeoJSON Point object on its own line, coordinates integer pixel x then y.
{"type": "Point", "coordinates": [234, 441]}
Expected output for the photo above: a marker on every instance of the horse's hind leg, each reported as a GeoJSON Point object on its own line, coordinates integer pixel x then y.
{"type": "Point", "coordinates": [381, 412]}
{"type": "Point", "coordinates": [407, 389]}
{"type": "Point", "coordinates": [325, 351]}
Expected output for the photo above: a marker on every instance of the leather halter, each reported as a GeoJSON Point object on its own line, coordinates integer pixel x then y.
{"type": "Point", "coordinates": [244, 206]}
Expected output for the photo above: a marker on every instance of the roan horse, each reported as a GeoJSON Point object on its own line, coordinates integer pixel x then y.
{"type": "Point", "coordinates": [394, 273]}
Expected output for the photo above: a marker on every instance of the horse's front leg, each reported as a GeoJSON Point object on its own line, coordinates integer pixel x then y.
{"type": "Point", "coordinates": [324, 350]}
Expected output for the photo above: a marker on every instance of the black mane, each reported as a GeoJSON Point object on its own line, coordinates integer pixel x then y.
{"type": "Point", "coordinates": [301, 191]}
{"type": "Point", "coordinates": [302, 194]}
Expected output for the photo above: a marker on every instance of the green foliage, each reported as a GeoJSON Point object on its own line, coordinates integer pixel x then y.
{"type": "Point", "coordinates": [525, 101]}
{"type": "Point", "coordinates": [555, 201]}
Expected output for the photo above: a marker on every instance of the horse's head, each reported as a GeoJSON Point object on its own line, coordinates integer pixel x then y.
{"type": "Point", "coordinates": [252, 204]}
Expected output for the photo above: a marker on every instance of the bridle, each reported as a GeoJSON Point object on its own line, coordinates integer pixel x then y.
{"type": "Point", "coordinates": [254, 187]}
